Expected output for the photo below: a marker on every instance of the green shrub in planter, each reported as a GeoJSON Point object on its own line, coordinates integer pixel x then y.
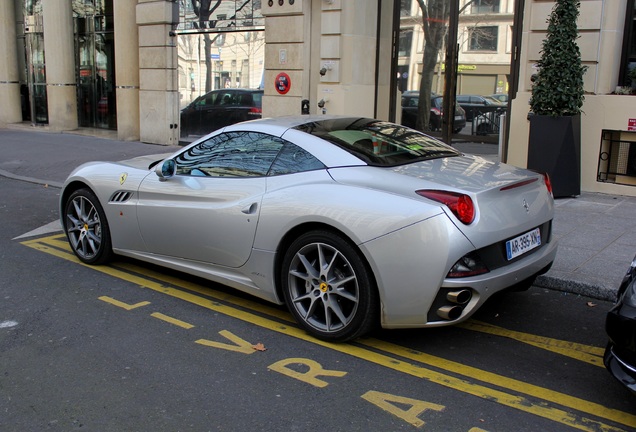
{"type": "Point", "coordinates": [557, 98]}
{"type": "Point", "coordinates": [557, 89]}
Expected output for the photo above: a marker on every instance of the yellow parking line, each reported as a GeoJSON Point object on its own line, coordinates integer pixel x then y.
{"type": "Point", "coordinates": [171, 320]}
{"type": "Point", "coordinates": [123, 305]}
{"type": "Point", "coordinates": [585, 353]}
{"type": "Point", "coordinates": [539, 408]}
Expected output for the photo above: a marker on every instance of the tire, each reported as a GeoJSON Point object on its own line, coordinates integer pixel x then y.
{"type": "Point", "coordinates": [328, 287]}
{"type": "Point", "coordinates": [86, 228]}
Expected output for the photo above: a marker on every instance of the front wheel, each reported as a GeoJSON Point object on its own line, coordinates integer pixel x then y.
{"type": "Point", "coordinates": [328, 287]}
{"type": "Point", "coordinates": [86, 227]}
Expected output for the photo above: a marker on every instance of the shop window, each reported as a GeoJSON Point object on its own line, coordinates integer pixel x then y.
{"type": "Point", "coordinates": [483, 38]}
{"type": "Point", "coordinates": [617, 158]}
{"type": "Point", "coordinates": [628, 60]}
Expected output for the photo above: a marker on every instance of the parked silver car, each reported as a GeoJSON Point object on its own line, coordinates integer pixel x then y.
{"type": "Point", "coordinates": [351, 222]}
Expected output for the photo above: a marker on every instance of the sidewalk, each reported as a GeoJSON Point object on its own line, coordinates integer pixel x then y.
{"type": "Point", "coordinates": [596, 232]}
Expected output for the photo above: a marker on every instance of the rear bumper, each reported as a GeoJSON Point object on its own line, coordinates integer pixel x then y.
{"type": "Point", "coordinates": [500, 279]}
{"type": "Point", "coordinates": [409, 287]}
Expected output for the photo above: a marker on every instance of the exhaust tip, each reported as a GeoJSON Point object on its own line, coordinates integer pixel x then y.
{"type": "Point", "coordinates": [450, 313]}
{"type": "Point", "coordinates": [459, 297]}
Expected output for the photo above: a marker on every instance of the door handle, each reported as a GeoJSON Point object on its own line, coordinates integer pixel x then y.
{"type": "Point", "coordinates": [250, 209]}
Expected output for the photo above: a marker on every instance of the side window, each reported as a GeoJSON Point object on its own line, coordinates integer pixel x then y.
{"type": "Point", "coordinates": [207, 100]}
{"type": "Point", "coordinates": [244, 99]}
{"type": "Point", "coordinates": [293, 159]}
{"type": "Point", "coordinates": [233, 154]}
{"type": "Point", "coordinates": [226, 98]}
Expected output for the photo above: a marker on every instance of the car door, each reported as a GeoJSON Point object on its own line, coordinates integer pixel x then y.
{"type": "Point", "coordinates": [208, 211]}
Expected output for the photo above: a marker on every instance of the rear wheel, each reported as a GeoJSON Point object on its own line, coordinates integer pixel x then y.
{"type": "Point", "coordinates": [328, 287]}
{"type": "Point", "coordinates": [86, 227]}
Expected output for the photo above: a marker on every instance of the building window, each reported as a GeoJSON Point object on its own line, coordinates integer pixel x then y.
{"type": "Point", "coordinates": [405, 7]}
{"type": "Point", "coordinates": [406, 39]}
{"type": "Point", "coordinates": [483, 38]}
{"type": "Point", "coordinates": [484, 6]}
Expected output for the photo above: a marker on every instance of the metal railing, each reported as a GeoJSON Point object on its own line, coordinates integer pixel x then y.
{"type": "Point", "coordinates": [617, 157]}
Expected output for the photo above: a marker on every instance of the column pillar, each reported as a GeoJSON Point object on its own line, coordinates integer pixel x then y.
{"type": "Point", "coordinates": [126, 69]}
{"type": "Point", "coordinates": [60, 64]}
{"type": "Point", "coordinates": [288, 57]}
{"type": "Point", "coordinates": [10, 108]}
{"type": "Point", "coordinates": [158, 88]}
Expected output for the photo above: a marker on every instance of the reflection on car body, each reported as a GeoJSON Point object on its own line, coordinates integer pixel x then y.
{"type": "Point", "coordinates": [351, 222]}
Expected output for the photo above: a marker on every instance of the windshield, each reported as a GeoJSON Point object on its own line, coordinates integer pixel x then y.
{"type": "Point", "coordinates": [379, 143]}
{"type": "Point", "coordinates": [492, 100]}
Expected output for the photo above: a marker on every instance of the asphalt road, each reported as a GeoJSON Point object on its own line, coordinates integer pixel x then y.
{"type": "Point", "coordinates": [131, 347]}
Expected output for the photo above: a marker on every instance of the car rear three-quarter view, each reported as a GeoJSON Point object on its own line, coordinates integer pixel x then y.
{"type": "Point", "coordinates": [351, 222]}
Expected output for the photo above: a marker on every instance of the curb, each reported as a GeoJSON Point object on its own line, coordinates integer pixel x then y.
{"type": "Point", "coordinates": [576, 287]}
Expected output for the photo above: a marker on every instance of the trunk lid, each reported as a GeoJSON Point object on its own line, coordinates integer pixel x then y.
{"type": "Point", "coordinates": [509, 201]}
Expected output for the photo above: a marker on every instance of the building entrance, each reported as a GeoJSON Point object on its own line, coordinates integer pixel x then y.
{"type": "Point", "coordinates": [95, 57]}
{"type": "Point", "coordinates": [34, 99]}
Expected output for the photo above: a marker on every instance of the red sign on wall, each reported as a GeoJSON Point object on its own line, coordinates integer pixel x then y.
{"type": "Point", "coordinates": [631, 125]}
{"type": "Point", "coordinates": [283, 83]}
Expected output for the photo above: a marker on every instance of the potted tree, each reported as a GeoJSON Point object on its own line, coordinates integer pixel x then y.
{"type": "Point", "coordinates": [557, 97]}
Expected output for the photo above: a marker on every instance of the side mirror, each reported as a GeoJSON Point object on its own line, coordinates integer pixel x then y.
{"type": "Point", "coordinates": [166, 169]}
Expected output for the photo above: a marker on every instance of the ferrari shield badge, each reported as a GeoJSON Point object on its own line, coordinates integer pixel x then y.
{"type": "Point", "coordinates": [122, 178]}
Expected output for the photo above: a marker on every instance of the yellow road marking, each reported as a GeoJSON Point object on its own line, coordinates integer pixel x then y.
{"type": "Point", "coordinates": [122, 304]}
{"type": "Point", "coordinates": [384, 401]}
{"type": "Point", "coordinates": [539, 408]}
{"type": "Point", "coordinates": [240, 345]}
{"type": "Point", "coordinates": [585, 353]}
{"type": "Point", "coordinates": [171, 320]}
{"type": "Point", "coordinates": [314, 370]}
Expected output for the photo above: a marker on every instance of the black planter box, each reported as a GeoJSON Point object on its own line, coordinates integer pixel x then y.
{"type": "Point", "coordinates": [554, 147]}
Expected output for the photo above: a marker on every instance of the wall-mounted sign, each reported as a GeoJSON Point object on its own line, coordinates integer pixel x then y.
{"type": "Point", "coordinates": [631, 125]}
{"type": "Point", "coordinates": [283, 83]}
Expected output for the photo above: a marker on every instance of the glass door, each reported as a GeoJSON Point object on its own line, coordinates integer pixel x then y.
{"type": "Point", "coordinates": [36, 77]}
{"type": "Point", "coordinates": [95, 47]}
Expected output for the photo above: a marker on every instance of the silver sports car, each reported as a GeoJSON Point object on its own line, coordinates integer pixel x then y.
{"type": "Point", "coordinates": [350, 222]}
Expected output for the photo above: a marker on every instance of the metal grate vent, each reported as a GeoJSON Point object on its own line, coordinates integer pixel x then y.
{"type": "Point", "coordinates": [121, 196]}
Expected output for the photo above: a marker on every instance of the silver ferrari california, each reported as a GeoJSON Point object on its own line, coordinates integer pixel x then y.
{"type": "Point", "coordinates": [351, 222]}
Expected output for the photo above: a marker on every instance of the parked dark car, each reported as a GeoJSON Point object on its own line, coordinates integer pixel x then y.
{"type": "Point", "coordinates": [475, 105]}
{"type": "Point", "coordinates": [410, 101]}
{"type": "Point", "coordinates": [220, 108]}
{"type": "Point", "coordinates": [620, 325]}
{"type": "Point", "coordinates": [501, 97]}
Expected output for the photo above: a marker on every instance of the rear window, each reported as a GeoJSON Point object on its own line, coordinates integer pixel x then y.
{"type": "Point", "coordinates": [257, 99]}
{"type": "Point", "coordinates": [379, 143]}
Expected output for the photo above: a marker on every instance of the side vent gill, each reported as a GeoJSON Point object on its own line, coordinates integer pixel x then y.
{"type": "Point", "coordinates": [120, 197]}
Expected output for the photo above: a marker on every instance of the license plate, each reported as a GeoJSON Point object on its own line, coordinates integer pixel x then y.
{"type": "Point", "coordinates": [458, 117]}
{"type": "Point", "coordinates": [524, 243]}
